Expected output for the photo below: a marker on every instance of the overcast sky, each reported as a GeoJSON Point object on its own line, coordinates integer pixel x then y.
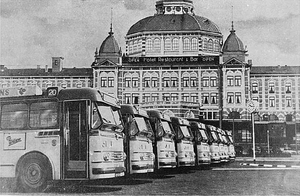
{"type": "Point", "coordinates": [33, 31]}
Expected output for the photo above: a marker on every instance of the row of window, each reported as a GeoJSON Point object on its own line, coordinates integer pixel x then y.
{"type": "Point", "coordinates": [34, 115]}
{"type": "Point", "coordinates": [172, 44]}
{"type": "Point", "coordinates": [272, 101]}
{"type": "Point", "coordinates": [147, 97]}
{"type": "Point", "coordinates": [271, 87]}
{"type": "Point", "coordinates": [234, 80]}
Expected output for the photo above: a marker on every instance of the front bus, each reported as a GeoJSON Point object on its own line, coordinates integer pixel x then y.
{"type": "Point", "coordinates": [184, 142]}
{"type": "Point", "coordinates": [164, 144]}
{"type": "Point", "coordinates": [59, 135]}
{"type": "Point", "coordinates": [138, 142]}
{"type": "Point", "coordinates": [201, 143]}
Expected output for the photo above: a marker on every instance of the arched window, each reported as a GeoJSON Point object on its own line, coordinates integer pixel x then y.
{"type": "Point", "coordinates": [168, 45]}
{"type": "Point", "coordinates": [210, 45]}
{"type": "Point", "coordinates": [217, 46]}
{"type": "Point", "coordinates": [205, 43]}
{"type": "Point", "coordinates": [149, 45]}
{"type": "Point", "coordinates": [194, 44]}
{"type": "Point", "coordinates": [135, 46]}
{"type": "Point", "coordinates": [130, 47]}
{"type": "Point", "coordinates": [175, 44]}
{"type": "Point", "coordinates": [186, 44]}
{"type": "Point", "coordinates": [156, 44]}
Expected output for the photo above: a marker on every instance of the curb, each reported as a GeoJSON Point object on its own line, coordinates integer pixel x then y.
{"type": "Point", "coordinates": [268, 165]}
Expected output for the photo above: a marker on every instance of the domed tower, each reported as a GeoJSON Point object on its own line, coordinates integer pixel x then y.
{"type": "Point", "coordinates": [174, 30]}
{"type": "Point", "coordinates": [236, 78]}
{"type": "Point", "coordinates": [171, 61]}
{"type": "Point", "coordinates": [106, 65]}
{"type": "Point", "coordinates": [233, 47]}
{"type": "Point", "coordinates": [109, 52]}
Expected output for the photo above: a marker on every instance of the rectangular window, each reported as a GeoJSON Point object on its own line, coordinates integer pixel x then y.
{"type": "Point", "coordinates": [128, 82]}
{"type": "Point", "coordinates": [230, 98]}
{"type": "Point", "coordinates": [213, 81]}
{"type": "Point", "coordinates": [185, 97]}
{"type": "Point", "coordinates": [238, 97]}
{"type": "Point", "coordinates": [205, 98]}
{"type": "Point", "coordinates": [272, 102]}
{"type": "Point", "coordinates": [194, 98]}
{"type": "Point", "coordinates": [246, 135]}
{"type": "Point", "coordinates": [43, 114]}
{"type": "Point", "coordinates": [254, 88]}
{"type": "Point", "coordinates": [135, 98]}
{"type": "Point", "coordinates": [288, 102]}
{"type": "Point", "coordinates": [205, 81]}
{"type": "Point", "coordinates": [166, 82]}
{"type": "Point", "coordinates": [213, 98]}
{"type": "Point", "coordinates": [174, 82]}
{"type": "Point", "coordinates": [271, 87]}
{"type": "Point", "coordinates": [185, 82]}
{"type": "Point", "coordinates": [288, 87]}
{"type": "Point", "coordinates": [194, 82]}
{"type": "Point", "coordinates": [127, 98]}
{"type": "Point", "coordinates": [238, 80]}
{"type": "Point", "coordinates": [229, 80]}
{"type": "Point", "coordinates": [147, 82]}
{"type": "Point", "coordinates": [166, 97]}
{"type": "Point", "coordinates": [154, 82]}
{"type": "Point", "coordinates": [154, 97]}
{"type": "Point", "coordinates": [14, 116]}
{"type": "Point", "coordinates": [146, 98]}
{"type": "Point", "coordinates": [135, 82]}
{"type": "Point", "coordinates": [174, 97]}
{"type": "Point", "coordinates": [110, 82]}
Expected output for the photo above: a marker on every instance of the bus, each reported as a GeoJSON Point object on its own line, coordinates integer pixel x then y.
{"type": "Point", "coordinates": [59, 135]}
{"type": "Point", "coordinates": [184, 142]}
{"type": "Point", "coordinates": [201, 146]}
{"type": "Point", "coordinates": [231, 149]}
{"type": "Point", "coordinates": [213, 142]}
{"type": "Point", "coordinates": [138, 142]}
{"type": "Point", "coordinates": [223, 145]}
{"type": "Point", "coordinates": [164, 144]}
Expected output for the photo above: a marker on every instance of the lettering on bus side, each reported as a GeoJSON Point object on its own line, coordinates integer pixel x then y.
{"type": "Point", "coordinates": [4, 92]}
{"type": "Point", "coordinates": [14, 141]}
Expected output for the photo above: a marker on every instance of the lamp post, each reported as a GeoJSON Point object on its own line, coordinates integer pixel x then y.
{"type": "Point", "coordinates": [268, 140]}
{"type": "Point", "coordinates": [296, 130]}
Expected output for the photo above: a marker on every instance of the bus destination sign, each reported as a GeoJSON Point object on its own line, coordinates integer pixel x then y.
{"type": "Point", "coordinates": [186, 60]}
{"type": "Point", "coordinates": [20, 91]}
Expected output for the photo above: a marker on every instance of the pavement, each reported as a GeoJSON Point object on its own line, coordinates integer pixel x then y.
{"type": "Point", "coordinates": [293, 158]}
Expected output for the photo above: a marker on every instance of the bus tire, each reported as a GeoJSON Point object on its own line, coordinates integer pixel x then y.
{"type": "Point", "coordinates": [33, 173]}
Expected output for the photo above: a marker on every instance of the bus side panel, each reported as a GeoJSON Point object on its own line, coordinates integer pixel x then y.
{"type": "Point", "coordinates": [166, 153]}
{"type": "Point", "coordinates": [186, 155]}
{"type": "Point", "coordinates": [141, 156]}
{"type": "Point", "coordinates": [17, 144]}
{"type": "Point", "coordinates": [107, 157]}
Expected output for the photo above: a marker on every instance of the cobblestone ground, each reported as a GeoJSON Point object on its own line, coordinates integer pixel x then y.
{"type": "Point", "coordinates": [240, 180]}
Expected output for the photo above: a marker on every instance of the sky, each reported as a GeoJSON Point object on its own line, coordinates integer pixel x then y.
{"type": "Point", "coordinates": [33, 31]}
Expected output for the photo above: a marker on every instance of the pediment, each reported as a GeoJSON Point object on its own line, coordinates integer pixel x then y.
{"type": "Point", "coordinates": [233, 61]}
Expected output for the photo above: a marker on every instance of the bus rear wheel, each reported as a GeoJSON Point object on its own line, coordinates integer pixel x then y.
{"type": "Point", "coordinates": [33, 173]}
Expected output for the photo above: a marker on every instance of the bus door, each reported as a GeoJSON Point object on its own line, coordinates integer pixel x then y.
{"type": "Point", "coordinates": [75, 139]}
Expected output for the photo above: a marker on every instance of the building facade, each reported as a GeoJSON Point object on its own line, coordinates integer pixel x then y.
{"type": "Point", "coordinates": [178, 62]}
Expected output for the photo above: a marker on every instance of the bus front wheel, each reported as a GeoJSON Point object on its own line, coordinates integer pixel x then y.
{"type": "Point", "coordinates": [33, 173]}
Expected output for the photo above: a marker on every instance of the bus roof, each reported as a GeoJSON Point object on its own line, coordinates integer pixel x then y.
{"type": "Point", "coordinates": [134, 110]}
{"type": "Point", "coordinates": [60, 94]}
{"type": "Point", "coordinates": [158, 114]}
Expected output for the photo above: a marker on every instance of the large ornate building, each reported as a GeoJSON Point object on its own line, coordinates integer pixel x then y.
{"type": "Point", "coordinates": [178, 62]}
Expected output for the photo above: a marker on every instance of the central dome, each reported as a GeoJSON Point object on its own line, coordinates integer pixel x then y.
{"type": "Point", "coordinates": [174, 16]}
{"type": "Point", "coordinates": [174, 22]}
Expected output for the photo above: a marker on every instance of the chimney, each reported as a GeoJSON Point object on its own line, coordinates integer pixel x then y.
{"type": "Point", "coordinates": [57, 64]}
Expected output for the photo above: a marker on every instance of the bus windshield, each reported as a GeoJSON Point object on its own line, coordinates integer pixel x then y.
{"type": "Point", "coordinates": [104, 114]}
{"type": "Point", "coordinates": [214, 136]}
{"type": "Point", "coordinates": [141, 124]}
{"type": "Point", "coordinates": [185, 131]}
{"type": "Point", "coordinates": [203, 134]}
{"type": "Point", "coordinates": [166, 127]}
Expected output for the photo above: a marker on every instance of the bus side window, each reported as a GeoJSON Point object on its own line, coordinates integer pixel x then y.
{"type": "Point", "coordinates": [14, 116]}
{"type": "Point", "coordinates": [43, 114]}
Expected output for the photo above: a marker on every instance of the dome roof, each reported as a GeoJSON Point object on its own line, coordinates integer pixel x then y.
{"type": "Point", "coordinates": [233, 43]}
{"type": "Point", "coordinates": [174, 22]}
{"type": "Point", "coordinates": [109, 45]}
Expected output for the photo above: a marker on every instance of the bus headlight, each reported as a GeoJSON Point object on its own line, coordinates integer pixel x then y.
{"type": "Point", "coordinates": [106, 156]}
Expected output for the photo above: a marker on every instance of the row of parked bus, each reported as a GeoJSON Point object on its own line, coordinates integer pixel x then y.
{"type": "Point", "coordinates": [69, 134]}
{"type": "Point", "coordinates": [155, 141]}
